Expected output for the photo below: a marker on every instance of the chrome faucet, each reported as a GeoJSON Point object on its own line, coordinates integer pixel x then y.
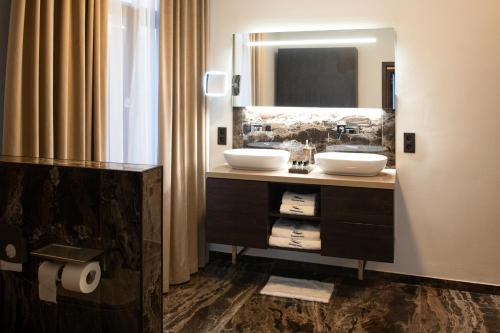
{"type": "Point", "coordinates": [341, 129]}
{"type": "Point", "coordinates": [259, 127]}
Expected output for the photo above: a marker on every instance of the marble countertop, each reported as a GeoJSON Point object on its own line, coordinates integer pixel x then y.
{"type": "Point", "coordinates": [77, 164]}
{"type": "Point", "coordinates": [385, 180]}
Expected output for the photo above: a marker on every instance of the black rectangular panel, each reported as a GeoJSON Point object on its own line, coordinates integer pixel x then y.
{"type": "Point", "coordinates": [317, 77]}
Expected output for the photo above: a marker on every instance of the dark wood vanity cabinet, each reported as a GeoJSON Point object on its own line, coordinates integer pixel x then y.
{"type": "Point", "coordinates": [237, 212]}
{"type": "Point", "coordinates": [356, 223]}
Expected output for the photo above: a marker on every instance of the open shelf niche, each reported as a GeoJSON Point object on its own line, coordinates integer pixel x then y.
{"type": "Point", "coordinates": [276, 191]}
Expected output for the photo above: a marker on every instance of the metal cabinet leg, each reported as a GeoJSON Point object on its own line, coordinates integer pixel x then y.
{"type": "Point", "coordinates": [361, 269]}
{"type": "Point", "coordinates": [234, 254]}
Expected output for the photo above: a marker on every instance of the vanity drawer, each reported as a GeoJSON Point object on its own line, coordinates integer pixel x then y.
{"type": "Point", "coordinates": [358, 241]}
{"type": "Point", "coordinates": [227, 228]}
{"type": "Point", "coordinates": [357, 205]}
{"type": "Point", "coordinates": [237, 196]}
{"type": "Point", "coordinates": [237, 212]}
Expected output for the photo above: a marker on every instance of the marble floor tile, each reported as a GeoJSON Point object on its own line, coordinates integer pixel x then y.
{"type": "Point", "coordinates": [272, 314]}
{"type": "Point", "coordinates": [373, 306]}
{"type": "Point", "coordinates": [211, 298]}
{"type": "Point", "coordinates": [445, 310]}
{"type": "Point", "coordinates": [225, 298]}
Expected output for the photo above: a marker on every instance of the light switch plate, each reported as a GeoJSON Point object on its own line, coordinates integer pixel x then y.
{"type": "Point", "coordinates": [409, 143]}
{"type": "Point", "coordinates": [222, 136]}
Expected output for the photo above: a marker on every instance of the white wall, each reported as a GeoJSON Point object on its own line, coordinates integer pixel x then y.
{"type": "Point", "coordinates": [448, 85]}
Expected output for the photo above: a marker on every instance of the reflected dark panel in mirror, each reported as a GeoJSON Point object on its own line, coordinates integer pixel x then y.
{"type": "Point", "coordinates": [317, 77]}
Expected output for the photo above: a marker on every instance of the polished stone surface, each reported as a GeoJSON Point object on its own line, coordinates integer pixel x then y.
{"type": "Point", "coordinates": [77, 164]}
{"type": "Point", "coordinates": [117, 211]}
{"type": "Point", "coordinates": [386, 179]}
{"type": "Point", "coordinates": [372, 130]}
{"type": "Point", "coordinates": [389, 135]}
{"type": "Point", "coordinates": [225, 298]}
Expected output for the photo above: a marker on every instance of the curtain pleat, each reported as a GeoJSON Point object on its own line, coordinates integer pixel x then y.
{"type": "Point", "coordinates": [46, 120]}
{"type": "Point", "coordinates": [55, 92]}
{"type": "Point", "coordinates": [183, 51]}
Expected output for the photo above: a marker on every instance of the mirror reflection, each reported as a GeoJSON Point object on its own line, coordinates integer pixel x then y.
{"type": "Point", "coordinates": [341, 68]}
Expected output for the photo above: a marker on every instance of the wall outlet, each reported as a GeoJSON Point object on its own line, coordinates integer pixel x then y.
{"type": "Point", "coordinates": [221, 136]}
{"type": "Point", "coordinates": [409, 143]}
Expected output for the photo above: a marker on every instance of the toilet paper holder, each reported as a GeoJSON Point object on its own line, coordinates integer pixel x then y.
{"type": "Point", "coordinates": [67, 254]}
{"type": "Point", "coordinates": [78, 269]}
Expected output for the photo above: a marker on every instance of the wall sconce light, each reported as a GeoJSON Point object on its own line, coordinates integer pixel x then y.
{"type": "Point", "coordinates": [216, 84]}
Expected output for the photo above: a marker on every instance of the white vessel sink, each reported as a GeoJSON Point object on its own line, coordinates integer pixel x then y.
{"type": "Point", "coordinates": [352, 164]}
{"type": "Point", "coordinates": [257, 159]}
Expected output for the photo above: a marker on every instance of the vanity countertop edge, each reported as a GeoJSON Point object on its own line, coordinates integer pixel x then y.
{"type": "Point", "coordinates": [386, 179]}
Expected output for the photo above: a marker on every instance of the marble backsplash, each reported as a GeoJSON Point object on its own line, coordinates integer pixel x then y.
{"type": "Point", "coordinates": [368, 130]}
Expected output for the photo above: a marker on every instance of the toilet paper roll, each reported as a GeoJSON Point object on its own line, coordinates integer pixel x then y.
{"type": "Point", "coordinates": [82, 278]}
{"type": "Point", "coordinates": [48, 275]}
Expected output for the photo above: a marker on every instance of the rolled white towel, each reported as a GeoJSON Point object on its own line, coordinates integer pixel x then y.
{"type": "Point", "coordinates": [303, 244]}
{"type": "Point", "coordinates": [291, 198]}
{"type": "Point", "coordinates": [295, 229]}
{"type": "Point", "coordinates": [283, 228]}
{"type": "Point", "coordinates": [298, 210]}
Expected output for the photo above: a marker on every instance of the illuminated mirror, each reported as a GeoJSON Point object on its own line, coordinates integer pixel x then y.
{"type": "Point", "coordinates": [339, 69]}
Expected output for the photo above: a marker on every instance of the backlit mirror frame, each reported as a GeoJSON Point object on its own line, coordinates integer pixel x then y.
{"type": "Point", "coordinates": [255, 55]}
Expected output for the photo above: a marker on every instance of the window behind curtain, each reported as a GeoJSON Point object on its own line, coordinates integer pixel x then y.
{"type": "Point", "coordinates": [133, 81]}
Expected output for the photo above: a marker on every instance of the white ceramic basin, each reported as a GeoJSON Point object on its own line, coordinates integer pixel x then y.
{"type": "Point", "coordinates": [352, 164]}
{"type": "Point", "coordinates": [257, 159]}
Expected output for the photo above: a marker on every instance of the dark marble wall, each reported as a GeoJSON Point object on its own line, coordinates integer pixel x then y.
{"type": "Point", "coordinates": [112, 207]}
{"type": "Point", "coordinates": [372, 130]}
{"type": "Point", "coordinates": [152, 251]}
{"type": "Point", "coordinates": [4, 31]}
{"type": "Point", "coordinates": [389, 136]}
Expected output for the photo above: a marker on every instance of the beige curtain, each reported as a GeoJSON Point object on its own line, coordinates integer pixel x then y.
{"type": "Point", "coordinates": [256, 68]}
{"type": "Point", "coordinates": [55, 86]}
{"type": "Point", "coordinates": [183, 50]}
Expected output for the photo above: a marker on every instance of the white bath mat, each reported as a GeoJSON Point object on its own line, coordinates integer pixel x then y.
{"type": "Point", "coordinates": [307, 290]}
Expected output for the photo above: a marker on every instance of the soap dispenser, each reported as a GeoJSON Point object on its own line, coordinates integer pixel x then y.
{"type": "Point", "coordinates": [309, 151]}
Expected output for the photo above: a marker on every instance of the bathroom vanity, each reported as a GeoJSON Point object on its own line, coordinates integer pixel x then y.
{"type": "Point", "coordinates": [356, 214]}
{"type": "Point", "coordinates": [111, 210]}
